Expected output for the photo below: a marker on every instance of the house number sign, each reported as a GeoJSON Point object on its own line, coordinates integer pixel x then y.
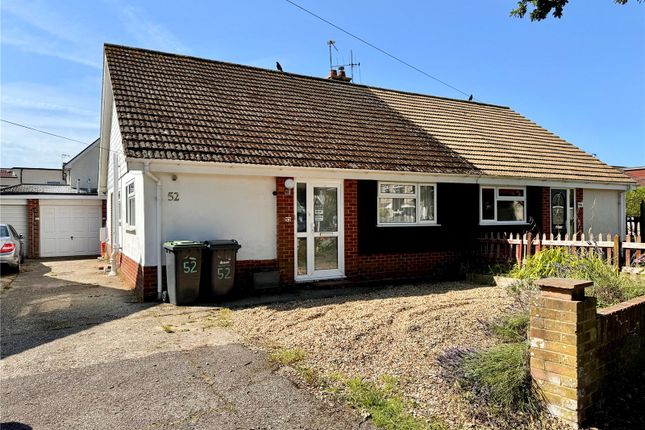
{"type": "Point", "coordinates": [173, 196]}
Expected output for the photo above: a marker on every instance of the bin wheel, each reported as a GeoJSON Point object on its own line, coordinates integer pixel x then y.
{"type": "Point", "coordinates": [164, 297]}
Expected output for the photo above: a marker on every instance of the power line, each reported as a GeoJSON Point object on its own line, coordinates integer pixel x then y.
{"type": "Point", "coordinates": [371, 45]}
{"type": "Point", "coordinates": [42, 131]}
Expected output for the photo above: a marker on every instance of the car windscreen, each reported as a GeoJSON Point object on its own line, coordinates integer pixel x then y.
{"type": "Point", "coordinates": [4, 231]}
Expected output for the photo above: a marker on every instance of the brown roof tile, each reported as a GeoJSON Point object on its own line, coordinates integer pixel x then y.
{"type": "Point", "coordinates": [185, 108]}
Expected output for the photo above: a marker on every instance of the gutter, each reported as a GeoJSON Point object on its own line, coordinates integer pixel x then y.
{"type": "Point", "coordinates": [146, 170]}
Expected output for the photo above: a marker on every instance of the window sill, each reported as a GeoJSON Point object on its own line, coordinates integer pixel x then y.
{"type": "Point", "coordinates": [430, 224]}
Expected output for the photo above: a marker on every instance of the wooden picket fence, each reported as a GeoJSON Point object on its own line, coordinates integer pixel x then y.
{"type": "Point", "coordinates": [509, 247]}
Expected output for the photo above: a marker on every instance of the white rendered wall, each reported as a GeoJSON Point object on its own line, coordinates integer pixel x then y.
{"type": "Point", "coordinates": [85, 167]}
{"type": "Point", "coordinates": [214, 207]}
{"type": "Point", "coordinates": [602, 212]}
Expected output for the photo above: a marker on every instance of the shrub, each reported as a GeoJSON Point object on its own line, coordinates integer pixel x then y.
{"type": "Point", "coordinates": [511, 327]}
{"type": "Point", "coordinates": [502, 374]}
{"type": "Point", "coordinates": [610, 286]}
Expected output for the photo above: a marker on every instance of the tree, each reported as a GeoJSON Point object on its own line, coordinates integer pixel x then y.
{"type": "Point", "coordinates": [634, 199]}
{"type": "Point", "coordinates": [542, 8]}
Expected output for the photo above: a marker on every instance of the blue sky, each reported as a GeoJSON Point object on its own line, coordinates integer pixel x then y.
{"type": "Point", "coordinates": [582, 77]}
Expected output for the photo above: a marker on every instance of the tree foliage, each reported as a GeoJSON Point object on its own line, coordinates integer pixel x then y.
{"type": "Point", "coordinates": [634, 199]}
{"type": "Point", "coordinates": [540, 9]}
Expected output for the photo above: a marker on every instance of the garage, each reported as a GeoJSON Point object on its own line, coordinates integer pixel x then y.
{"type": "Point", "coordinates": [14, 212]}
{"type": "Point", "coordinates": [69, 227]}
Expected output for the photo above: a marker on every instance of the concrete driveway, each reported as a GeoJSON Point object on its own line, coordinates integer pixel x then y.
{"type": "Point", "coordinates": [79, 352]}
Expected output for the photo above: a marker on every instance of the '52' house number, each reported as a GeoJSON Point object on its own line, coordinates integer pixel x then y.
{"type": "Point", "coordinates": [173, 196]}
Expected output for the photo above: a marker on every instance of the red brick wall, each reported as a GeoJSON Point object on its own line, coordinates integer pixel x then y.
{"type": "Point", "coordinates": [142, 278]}
{"type": "Point", "coordinates": [33, 228]}
{"type": "Point", "coordinates": [386, 266]}
{"type": "Point", "coordinates": [546, 211]}
{"type": "Point", "coordinates": [285, 231]}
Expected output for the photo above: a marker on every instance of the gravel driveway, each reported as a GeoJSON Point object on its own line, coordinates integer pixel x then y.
{"type": "Point", "coordinates": [78, 352]}
{"type": "Point", "coordinates": [397, 331]}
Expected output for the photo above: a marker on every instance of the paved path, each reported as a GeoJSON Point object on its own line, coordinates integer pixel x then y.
{"type": "Point", "coordinates": [78, 352]}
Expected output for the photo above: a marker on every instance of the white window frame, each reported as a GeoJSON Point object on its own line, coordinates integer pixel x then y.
{"type": "Point", "coordinates": [497, 197]}
{"type": "Point", "coordinates": [416, 196]}
{"type": "Point", "coordinates": [130, 197]}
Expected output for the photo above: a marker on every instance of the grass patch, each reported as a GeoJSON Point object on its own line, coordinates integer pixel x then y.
{"type": "Point", "coordinates": [610, 286]}
{"type": "Point", "coordinates": [385, 404]}
{"type": "Point", "coordinates": [287, 356]}
{"type": "Point", "coordinates": [167, 328]}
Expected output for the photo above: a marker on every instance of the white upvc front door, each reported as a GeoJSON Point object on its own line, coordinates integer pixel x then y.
{"type": "Point", "coordinates": [318, 225]}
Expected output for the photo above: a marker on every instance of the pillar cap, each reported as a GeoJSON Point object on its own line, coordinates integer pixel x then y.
{"type": "Point", "coordinates": [564, 287]}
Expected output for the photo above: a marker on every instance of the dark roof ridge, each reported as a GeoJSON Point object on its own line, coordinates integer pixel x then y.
{"type": "Point", "coordinates": [298, 75]}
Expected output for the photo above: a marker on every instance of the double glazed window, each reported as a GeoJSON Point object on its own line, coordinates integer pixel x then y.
{"type": "Point", "coordinates": [130, 202]}
{"type": "Point", "coordinates": [406, 204]}
{"type": "Point", "coordinates": [502, 205]}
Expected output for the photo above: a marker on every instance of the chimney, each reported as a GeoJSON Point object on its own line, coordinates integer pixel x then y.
{"type": "Point", "coordinates": [338, 75]}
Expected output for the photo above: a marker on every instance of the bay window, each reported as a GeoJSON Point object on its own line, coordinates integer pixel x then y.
{"type": "Point", "coordinates": [502, 205]}
{"type": "Point", "coordinates": [406, 204]}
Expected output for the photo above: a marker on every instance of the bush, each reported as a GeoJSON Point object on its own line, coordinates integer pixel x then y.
{"type": "Point", "coordinates": [512, 327]}
{"type": "Point", "coordinates": [499, 376]}
{"type": "Point", "coordinates": [610, 286]}
{"type": "Point", "coordinates": [633, 201]}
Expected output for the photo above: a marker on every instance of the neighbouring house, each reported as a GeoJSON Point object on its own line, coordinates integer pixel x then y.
{"type": "Point", "coordinates": [323, 179]}
{"type": "Point", "coordinates": [8, 178]}
{"type": "Point", "coordinates": [636, 173]}
{"type": "Point", "coordinates": [58, 211]}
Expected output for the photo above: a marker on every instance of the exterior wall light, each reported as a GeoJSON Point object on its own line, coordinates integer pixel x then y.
{"type": "Point", "coordinates": [289, 184]}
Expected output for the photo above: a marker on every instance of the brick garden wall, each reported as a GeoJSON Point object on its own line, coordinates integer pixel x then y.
{"type": "Point", "coordinates": [33, 228]}
{"type": "Point", "coordinates": [577, 351]}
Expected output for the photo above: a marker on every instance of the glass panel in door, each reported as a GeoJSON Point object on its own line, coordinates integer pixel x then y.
{"type": "Point", "coordinates": [325, 228]}
{"type": "Point", "coordinates": [559, 212]}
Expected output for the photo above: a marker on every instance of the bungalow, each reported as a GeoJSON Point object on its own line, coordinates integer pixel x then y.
{"type": "Point", "coordinates": [323, 179]}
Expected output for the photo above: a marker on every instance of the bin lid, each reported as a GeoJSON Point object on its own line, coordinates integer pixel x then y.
{"type": "Point", "coordinates": [223, 244]}
{"type": "Point", "coordinates": [177, 244]}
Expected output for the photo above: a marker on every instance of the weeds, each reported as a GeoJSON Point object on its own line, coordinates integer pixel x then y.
{"type": "Point", "coordinates": [384, 404]}
{"type": "Point", "coordinates": [167, 328]}
{"type": "Point", "coordinates": [287, 356]}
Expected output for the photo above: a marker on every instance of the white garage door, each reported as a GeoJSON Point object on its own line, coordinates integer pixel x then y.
{"type": "Point", "coordinates": [68, 230]}
{"type": "Point", "coordinates": [16, 215]}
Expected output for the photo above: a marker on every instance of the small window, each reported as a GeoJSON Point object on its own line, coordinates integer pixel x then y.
{"type": "Point", "coordinates": [130, 204]}
{"type": "Point", "coordinates": [502, 205]}
{"type": "Point", "coordinates": [406, 204]}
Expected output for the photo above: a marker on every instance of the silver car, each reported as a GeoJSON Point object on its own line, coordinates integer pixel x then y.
{"type": "Point", "coordinates": [12, 248]}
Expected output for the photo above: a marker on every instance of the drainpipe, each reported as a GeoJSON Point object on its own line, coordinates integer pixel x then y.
{"type": "Point", "coordinates": [115, 214]}
{"type": "Point", "coordinates": [78, 185]}
{"type": "Point", "coordinates": [146, 169]}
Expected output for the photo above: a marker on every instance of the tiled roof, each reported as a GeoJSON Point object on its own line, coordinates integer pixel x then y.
{"type": "Point", "coordinates": [184, 108]}
{"type": "Point", "coordinates": [44, 189]}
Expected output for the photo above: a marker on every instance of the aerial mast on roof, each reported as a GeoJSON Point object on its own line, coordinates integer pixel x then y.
{"type": "Point", "coordinates": [351, 64]}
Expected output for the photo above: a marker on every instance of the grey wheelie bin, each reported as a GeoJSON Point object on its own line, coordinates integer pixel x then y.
{"type": "Point", "coordinates": [221, 255]}
{"type": "Point", "coordinates": [183, 270]}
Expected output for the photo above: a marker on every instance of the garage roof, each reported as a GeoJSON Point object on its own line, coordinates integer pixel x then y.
{"type": "Point", "coordinates": [44, 189]}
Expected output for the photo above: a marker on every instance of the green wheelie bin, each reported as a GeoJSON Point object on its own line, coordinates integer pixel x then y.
{"type": "Point", "coordinates": [183, 270]}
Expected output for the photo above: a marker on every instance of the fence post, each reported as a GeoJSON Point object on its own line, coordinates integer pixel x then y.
{"type": "Point", "coordinates": [529, 244]}
{"type": "Point", "coordinates": [617, 252]}
{"type": "Point", "coordinates": [563, 357]}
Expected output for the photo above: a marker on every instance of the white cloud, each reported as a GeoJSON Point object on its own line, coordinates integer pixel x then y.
{"type": "Point", "coordinates": [147, 33]}
{"type": "Point", "coordinates": [37, 28]}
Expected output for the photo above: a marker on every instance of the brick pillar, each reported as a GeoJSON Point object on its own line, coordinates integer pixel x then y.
{"type": "Point", "coordinates": [546, 210]}
{"type": "Point", "coordinates": [350, 190]}
{"type": "Point", "coordinates": [33, 228]}
{"type": "Point", "coordinates": [285, 231]}
{"type": "Point", "coordinates": [579, 210]}
{"type": "Point", "coordinates": [563, 355]}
